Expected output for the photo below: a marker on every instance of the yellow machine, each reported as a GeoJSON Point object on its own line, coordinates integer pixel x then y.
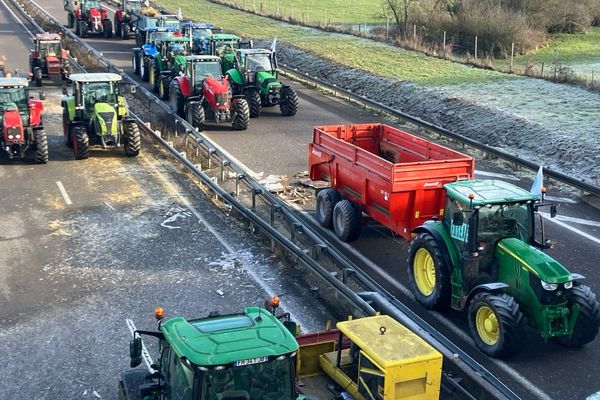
{"type": "Point", "coordinates": [373, 358]}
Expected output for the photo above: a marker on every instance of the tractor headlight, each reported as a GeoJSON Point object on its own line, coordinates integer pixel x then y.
{"type": "Point", "coordinates": [11, 137]}
{"type": "Point", "coordinates": [549, 286]}
{"type": "Point", "coordinates": [568, 285]}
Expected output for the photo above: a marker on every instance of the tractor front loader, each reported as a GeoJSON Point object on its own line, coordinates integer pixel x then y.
{"type": "Point", "coordinates": [96, 113]}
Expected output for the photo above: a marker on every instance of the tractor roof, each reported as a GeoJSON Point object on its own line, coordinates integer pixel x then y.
{"type": "Point", "coordinates": [13, 82]}
{"type": "Point", "coordinates": [488, 192]}
{"type": "Point", "coordinates": [180, 39]}
{"type": "Point", "coordinates": [198, 25]}
{"type": "Point", "coordinates": [225, 36]}
{"type": "Point", "coordinates": [254, 51]}
{"type": "Point", "coordinates": [224, 339]}
{"type": "Point", "coordinates": [47, 36]}
{"type": "Point", "coordinates": [161, 29]}
{"type": "Point", "coordinates": [95, 77]}
{"type": "Point", "coordinates": [202, 58]}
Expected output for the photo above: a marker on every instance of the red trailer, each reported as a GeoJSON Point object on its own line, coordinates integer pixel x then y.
{"type": "Point", "coordinates": [392, 176]}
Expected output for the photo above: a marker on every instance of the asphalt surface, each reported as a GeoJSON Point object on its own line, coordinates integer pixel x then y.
{"type": "Point", "coordinates": [277, 145]}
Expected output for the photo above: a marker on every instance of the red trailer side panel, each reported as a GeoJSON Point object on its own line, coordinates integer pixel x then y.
{"type": "Point", "coordinates": [397, 178]}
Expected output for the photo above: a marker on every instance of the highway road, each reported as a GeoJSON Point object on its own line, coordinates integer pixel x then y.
{"type": "Point", "coordinates": [277, 145]}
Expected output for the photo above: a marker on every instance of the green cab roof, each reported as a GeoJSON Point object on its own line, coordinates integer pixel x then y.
{"type": "Point", "coordinates": [181, 39]}
{"type": "Point", "coordinates": [488, 192]}
{"type": "Point", "coordinates": [225, 339]}
{"type": "Point", "coordinates": [203, 58]}
{"type": "Point", "coordinates": [224, 36]}
{"type": "Point", "coordinates": [13, 82]}
{"type": "Point", "coordinates": [95, 77]}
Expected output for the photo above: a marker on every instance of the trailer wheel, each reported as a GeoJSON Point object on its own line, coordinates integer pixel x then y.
{"type": "Point", "coordinates": [176, 97]}
{"type": "Point", "coordinates": [41, 146]}
{"type": "Point", "coordinates": [132, 144]}
{"type": "Point", "coordinates": [240, 114]}
{"type": "Point", "coordinates": [117, 25]}
{"type": "Point", "coordinates": [107, 28]}
{"type": "Point", "coordinates": [428, 274]}
{"type": "Point", "coordinates": [37, 76]}
{"type": "Point", "coordinates": [496, 323]}
{"type": "Point", "coordinates": [326, 201]}
{"type": "Point", "coordinates": [347, 221]}
{"type": "Point", "coordinates": [81, 142]}
{"type": "Point", "coordinates": [253, 99]}
{"type": "Point", "coordinates": [588, 321]}
{"type": "Point", "coordinates": [289, 102]}
{"type": "Point", "coordinates": [163, 92]}
{"type": "Point", "coordinates": [144, 68]}
{"type": "Point", "coordinates": [195, 115]}
{"type": "Point", "coordinates": [135, 63]}
{"type": "Point", "coordinates": [125, 31]}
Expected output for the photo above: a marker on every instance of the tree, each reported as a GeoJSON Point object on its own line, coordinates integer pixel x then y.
{"type": "Point", "coordinates": [399, 9]}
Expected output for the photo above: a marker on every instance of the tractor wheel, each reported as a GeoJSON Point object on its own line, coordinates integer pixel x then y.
{"type": "Point", "coordinates": [176, 97]}
{"type": "Point", "coordinates": [152, 78]}
{"type": "Point", "coordinates": [67, 128]}
{"type": "Point", "coordinates": [240, 114]}
{"type": "Point", "coordinates": [326, 201]}
{"type": "Point", "coordinates": [347, 221]}
{"type": "Point", "coordinates": [253, 99]}
{"type": "Point", "coordinates": [195, 115]}
{"type": "Point", "coordinates": [81, 142]}
{"type": "Point", "coordinates": [133, 141]}
{"type": "Point", "coordinates": [37, 76]}
{"type": "Point", "coordinates": [588, 321]}
{"type": "Point", "coordinates": [289, 102]}
{"type": "Point", "coordinates": [41, 146]}
{"type": "Point", "coordinates": [70, 21]}
{"type": "Point", "coordinates": [496, 323]}
{"type": "Point", "coordinates": [83, 29]}
{"type": "Point", "coordinates": [144, 68]}
{"type": "Point", "coordinates": [117, 25]}
{"type": "Point", "coordinates": [121, 395]}
{"type": "Point", "coordinates": [163, 89]}
{"type": "Point", "coordinates": [135, 63]}
{"type": "Point", "coordinates": [107, 28]}
{"type": "Point", "coordinates": [428, 274]}
{"type": "Point", "coordinates": [125, 31]}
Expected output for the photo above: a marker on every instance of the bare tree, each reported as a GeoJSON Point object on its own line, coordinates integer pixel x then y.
{"type": "Point", "coordinates": [399, 9]}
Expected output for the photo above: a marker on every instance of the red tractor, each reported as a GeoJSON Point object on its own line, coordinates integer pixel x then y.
{"type": "Point", "coordinates": [48, 59]}
{"type": "Point", "coordinates": [21, 121]}
{"type": "Point", "coordinates": [202, 93]}
{"type": "Point", "coordinates": [88, 16]}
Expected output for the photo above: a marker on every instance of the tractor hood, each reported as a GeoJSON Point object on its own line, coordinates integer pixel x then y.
{"type": "Point", "coordinates": [537, 262]}
{"type": "Point", "coordinates": [12, 125]}
{"type": "Point", "coordinates": [105, 119]}
{"type": "Point", "coordinates": [215, 86]}
{"type": "Point", "coordinates": [267, 81]}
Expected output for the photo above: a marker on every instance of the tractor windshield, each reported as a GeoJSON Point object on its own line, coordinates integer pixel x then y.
{"type": "Point", "coordinates": [501, 221]}
{"type": "Point", "coordinates": [271, 380]}
{"type": "Point", "coordinates": [91, 4]}
{"type": "Point", "coordinates": [204, 69]}
{"type": "Point", "coordinates": [52, 49]}
{"type": "Point", "coordinates": [98, 92]}
{"type": "Point", "coordinates": [258, 62]}
{"type": "Point", "coordinates": [201, 33]}
{"type": "Point", "coordinates": [14, 97]}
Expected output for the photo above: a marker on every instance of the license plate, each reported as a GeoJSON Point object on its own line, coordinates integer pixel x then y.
{"type": "Point", "coordinates": [250, 361]}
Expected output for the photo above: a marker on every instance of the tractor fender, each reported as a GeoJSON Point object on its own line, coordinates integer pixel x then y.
{"type": "Point", "coordinates": [485, 287]}
{"type": "Point", "coordinates": [184, 84]}
{"type": "Point", "coordinates": [149, 50]}
{"type": "Point", "coordinates": [236, 76]}
{"type": "Point", "coordinates": [36, 107]}
{"type": "Point", "coordinates": [442, 242]}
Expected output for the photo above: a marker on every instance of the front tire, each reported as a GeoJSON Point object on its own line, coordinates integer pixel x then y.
{"type": "Point", "coordinates": [289, 102]}
{"type": "Point", "coordinates": [37, 76]}
{"type": "Point", "coordinates": [107, 28]}
{"type": "Point", "coordinates": [41, 146]}
{"type": "Point", "coordinates": [496, 323]}
{"type": "Point", "coordinates": [428, 274]}
{"type": "Point", "coordinates": [133, 141]}
{"type": "Point", "coordinates": [163, 91]}
{"type": "Point", "coordinates": [135, 63]}
{"type": "Point", "coordinates": [588, 321]}
{"type": "Point", "coordinates": [83, 29]}
{"type": "Point", "coordinates": [253, 99]}
{"type": "Point", "coordinates": [81, 142]}
{"type": "Point", "coordinates": [195, 115]}
{"type": "Point", "coordinates": [326, 201]}
{"type": "Point", "coordinates": [347, 221]}
{"type": "Point", "coordinates": [70, 21]}
{"type": "Point", "coordinates": [67, 129]}
{"type": "Point", "coordinates": [144, 68]}
{"type": "Point", "coordinates": [240, 114]}
{"type": "Point", "coordinates": [125, 31]}
{"type": "Point", "coordinates": [152, 78]}
{"type": "Point", "coordinates": [117, 25]}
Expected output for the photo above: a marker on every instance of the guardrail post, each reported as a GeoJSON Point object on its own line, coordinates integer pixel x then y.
{"type": "Point", "coordinates": [224, 163]}
{"type": "Point", "coordinates": [254, 193]}
{"type": "Point", "coordinates": [348, 272]}
{"type": "Point", "coordinates": [238, 178]}
{"type": "Point", "coordinates": [317, 250]}
{"type": "Point", "coordinates": [296, 226]}
{"type": "Point", "coordinates": [210, 153]}
{"type": "Point", "coordinates": [274, 209]}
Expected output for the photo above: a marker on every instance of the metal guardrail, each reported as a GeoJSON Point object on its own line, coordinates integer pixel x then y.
{"type": "Point", "coordinates": [279, 223]}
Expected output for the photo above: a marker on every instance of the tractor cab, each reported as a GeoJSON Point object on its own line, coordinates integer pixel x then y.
{"type": "Point", "coordinates": [169, 21]}
{"type": "Point", "coordinates": [224, 45]}
{"type": "Point", "coordinates": [198, 68]}
{"type": "Point", "coordinates": [48, 45]}
{"type": "Point", "coordinates": [87, 5]}
{"type": "Point", "coordinates": [156, 35]}
{"type": "Point", "coordinates": [253, 61]}
{"type": "Point", "coordinates": [129, 6]}
{"type": "Point", "coordinates": [200, 34]}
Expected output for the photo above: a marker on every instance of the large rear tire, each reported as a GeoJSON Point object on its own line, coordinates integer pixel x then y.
{"type": "Point", "coordinates": [83, 29]}
{"type": "Point", "coordinates": [121, 395]}
{"type": "Point", "coordinates": [289, 102]}
{"type": "Point", "coordinates": [153, 78]}
{"type": "Point", "coordinates": [240, 114]}
{"type": "Point", "coordinates": [195, 115]}
{"type": "Point", "coordinates": [253, 99]}
{"type": "Point", "coordinates": [176, 97]}
{"type": "Point", "coordinates": [125, 31]}
{"type": "Point", "coordinates": [144, 68]}
{"type": "Point", "coordinates": [67, 128]}
{"type": "Point", "coordinates": [70, 21]}
{"type": "Point", "coordinates": [81, 142]}
{"type": "Point", "coordinates": [135, 63]}
{"type": "Point", "coordinates": [117, 25]}
{"type": "Point", "coordinates": [133, 140]}
{"type": "Point", "coordinates": [107, 28]}
{"type": "Point", "coordinates": [37, 76]}
{"type": "Point", "coordinates": [41, 146]}
{"type": "Point", "coordinates": [347, 221]}
{"type": "Point", "coordinates": [326, 201]}
{"type": "Point", "coordinates": [428, 274]}
{"type": "Point", "coordinates": [163, 88]}
{"type": "Point", "coordinates": [588, 321]}
{"type": "Point", "coordinates": [496, 323]}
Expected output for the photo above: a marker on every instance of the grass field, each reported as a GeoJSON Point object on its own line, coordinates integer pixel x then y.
{"type": "Point", "coordinates": [320, 11]}
{"type": "Point", "coordinates": [374, 57]}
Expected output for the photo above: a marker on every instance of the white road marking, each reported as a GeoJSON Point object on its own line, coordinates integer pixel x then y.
{"type": "Point", "coordinates": [560, 199]}
{"type": "Point", "coordinates": [109, 8]}
{"type": "Point", "coordinates": [63, 191]}
{"type": "Point", "coordinates": [17, 18]}
{"type": "Point", "coordinates": [145, 355]}
{"type": "Point", "coordinates": [496, 175]}
{"type": "Point", "coordinates": [575, 230]}
{"type": "Point", "coordinates": [580, 221]}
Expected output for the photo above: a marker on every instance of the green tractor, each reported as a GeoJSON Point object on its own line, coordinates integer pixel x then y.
{"type": "Point", "coordinates": [485, 258]}
{"type": "Point", "coordinates": [224, 45]}
{"type": "Point", "coordinates": [96, 113]}
{"type": "Point", "coordinates": [255, 76]}
{"type": "Point", "coordinates": [168, 62]}
{"type": "Point", "coordinates": [241, 356]}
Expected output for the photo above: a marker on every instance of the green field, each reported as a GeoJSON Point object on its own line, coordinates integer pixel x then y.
{"type": "Point", "coordinates": [371, 56]}
{"type": "Point", "coordinates": [319, 11]}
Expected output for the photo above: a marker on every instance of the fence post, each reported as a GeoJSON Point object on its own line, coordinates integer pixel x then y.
{"type": "Point", "coordinates": [415, 33]}
{"type": "Point", "coordinates": [555, 61]}
{"type": "Point", "coordinates": [387, 27]}
{"type": "Point", "coordinates": [475, 46]}
{"type": "Point", "coordinates": [444, 43]}
{"type": "Point", "coordinates": [512, 56]}
{"type": "Point", "coordinates": [542, 70]}
{"type": "Point", "coordinates": [592, 78]}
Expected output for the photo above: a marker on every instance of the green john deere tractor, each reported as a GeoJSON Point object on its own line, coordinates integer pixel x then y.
{"type": "Point", "coordinates": [224, 45]}
{"type": "Point", "coordinates": [97, 113]}
{"type": "Point", "coordinates": [485, 257]}
{"type": "Point", "coordinates": [240, 356]}
{"type": "Point", "coordinates": [168, 62]}
{"type": "Point", "coordinates": [255, 76]}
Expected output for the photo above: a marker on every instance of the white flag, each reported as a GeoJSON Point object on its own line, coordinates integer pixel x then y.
{"type": "Point", "coordinates": [538, 182]}
{"type": "Point", "coordinates": [273, 45]}
{"type": "Point", "coordinates": [179, 15]}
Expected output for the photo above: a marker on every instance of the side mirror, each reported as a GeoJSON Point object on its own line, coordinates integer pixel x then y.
{"type": "Point", "coordinates": [553, 211]}
{"type": "Point", "coordinates": [458, 218]}
{"type": "Point", "coordinates": [291, 326]}
{"type": "Point", "coordinates": [135, 351]}
{"type": "Point", "coordinates": [42, 96]}
{"type": "Point", "coordinates": [64, 91]}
